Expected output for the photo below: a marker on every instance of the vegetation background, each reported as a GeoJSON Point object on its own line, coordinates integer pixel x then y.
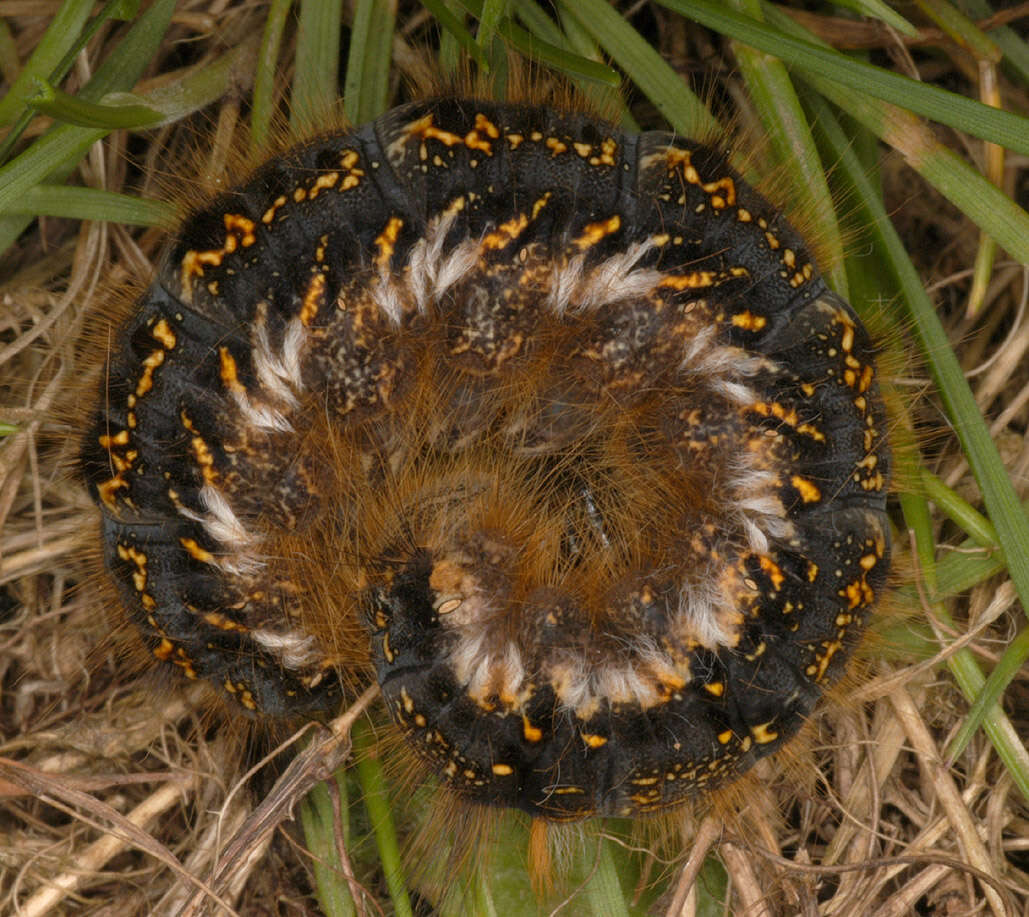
{"type": "Point", "coordinates": [897, 136]}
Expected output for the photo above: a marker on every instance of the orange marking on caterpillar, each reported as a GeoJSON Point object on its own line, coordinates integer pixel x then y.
{"type": "Point", "coordinates": [314, 298]}
{"type": "Point", "coordinates": [228, 371]}
{"type": "Point", "coordinates": [594, 232]}
{"type": "Point", "coordinates": [385, 242]}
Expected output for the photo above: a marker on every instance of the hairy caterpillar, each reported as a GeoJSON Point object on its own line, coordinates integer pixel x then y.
{"type": "Point", "coordinates": [593, 460]}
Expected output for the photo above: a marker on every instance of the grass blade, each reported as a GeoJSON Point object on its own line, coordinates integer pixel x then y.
{"type": "Point", "coordinates": [972, 117]}
{"type": "Point", "coordinates": [643, 65]}
{"type": "Point", "coordinates": [316, 81]}
{"type": "Point", "coordinates": [366, 90]}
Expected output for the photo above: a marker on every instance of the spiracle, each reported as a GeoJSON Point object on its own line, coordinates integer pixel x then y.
{"type": "Point", "coordinates": [555, 430]}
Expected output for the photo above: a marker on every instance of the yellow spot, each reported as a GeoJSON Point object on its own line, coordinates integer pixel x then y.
{"type": "Point", "coordinates": [505, 233]}
{"type": "Point", "coordinates": [583, 149]}
{"type": "Point", "coordinates": [503, 770]}
{"type": "Point", "coordinates": [607, 153]}
{"type": "Point", "coordinates": [818, 671]}
{"type": "Point", "coordinates": [164, 649]}
{"type": "Point", "coordinates": [386, 241]}
{"type": "Point", "coordinates": [593, 741]}
{"type": "Point", "coordinates": [312, 299]}
{"type": "Point", "coordinates": [201, 451]}
{"type": "Point", "coordinates": [349, 160]}
{"type": "Point", "coordinates": [557, 147]}
{"type": "Point", "coordinates": [163, 334]}
{"type": "Point", "coordinates": [692, 281]}
{"type": "Point", "coordinates": [715, 688]}
{"type": "Point", "coordinates": [194, 550]}
{"type": "Point", "coordinates": [216, 619]}
{"type": "Point", "coordinates": [725, 737]}
{"type": "Point", "coordinates": [137, 557]}
{"type": "Point", "coordinates": [847, 340]}
{"type": "Point", "coordinates": [323, 182]}
{"type": "Point", "coordinates": [146, 381]}
{"type": "Point", "coordinates": [859, 593]}
{"type": "Point", "coordinates": [515, 140]}
{"type": "Point", "coordinates": [455, 206]}
{"type": "Point", "coordinates": [269, 214]}
{"type": "Point", "coordinates": [108, 490]}
{"type": "Point", "coordinates": [408, 703]}
{"type": "Point", "coordinates": [424, 129]}
{"type": "Point", "coordinates": [809, 493]}
{"type": "Point", "coordinates": [474, 139]}
{"type": "Point", "coordinates": [772, 571]}
{"type": "Point", "coordinates": [748, 321]}
{"type": "Point", "coordinates": [119, 439]}
{"type": "Point", "coordinates": [531, 733]}
{"type": "Point", "coordinates": [540, 204]}
{"type": "Point", "coordinates": [228, 373]}
{"type": "Point", "coordinates": [763, 734]}
{"type": "Point", "coordinates": [594, 232]}
{"type": "Point", "coordinates": [812, 571]}
{"type": "Point", "coordinates": [236, 223]}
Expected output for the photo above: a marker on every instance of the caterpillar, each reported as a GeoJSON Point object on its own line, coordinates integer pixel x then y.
{"type": "Point", "coordinates": [553, 430]}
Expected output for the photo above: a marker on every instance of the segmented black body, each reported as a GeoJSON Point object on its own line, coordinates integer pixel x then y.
{"type": "Point", "coordinates": [560, 422]}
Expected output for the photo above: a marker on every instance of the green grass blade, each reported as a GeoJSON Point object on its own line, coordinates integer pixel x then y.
{"type": "Point", "coordinates": [316, 818]}
{"type": "Point", "coordinates": [376, 801]}
{"type": "Point", "coordinates": [556, 57]}
{"type": "Point", "coordinates": [1004, 672]}
{"type": "Point", "coordinates": [603, 890]}
{"type": "Point", "coordinates": [453, 26]}
{"type": "Point", "coordinates": [126, 113]}
{"type": "Point", "coordinates": [60, 37]}
{"type": "Point", "coordinates": [93, 204]}
{"type": "Point", "coordinates": [316, 80]}
{"type": "Point", "coordinates": [961, 30]}
{"type": "Point", "coordinates": [577, 41]}
{"type": "Point", "coordinates": [56, 153]}
{"type": "Point", "coordinates": [1014, 46]}
{"type": "Point", "coordinates": [968, 189]}
{"type": "Point", "coordinates": [973, 523]}
{"type": "Point", "coordinates": [643, 65]}
{"type": "Point", "coordinates": [493, 11]}
{"type": "Point", "coordinates": [972, 117]}
{"type": "Point", "coordinates": [876, 9]}
{"type": "Point", "coordinates": [262, 108]}
{"type": "Point", "coordinates": [366, 90]}
{"type": "Point", "coordinates": [966, 567]}
{"type": "Point", "coordinates": [116, 9]}
{"type": "Point", "coordinates": [780, 111]}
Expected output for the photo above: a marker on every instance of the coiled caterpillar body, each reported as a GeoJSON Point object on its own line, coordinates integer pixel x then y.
{"type": "Point", "coordinates": [556, 429]}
